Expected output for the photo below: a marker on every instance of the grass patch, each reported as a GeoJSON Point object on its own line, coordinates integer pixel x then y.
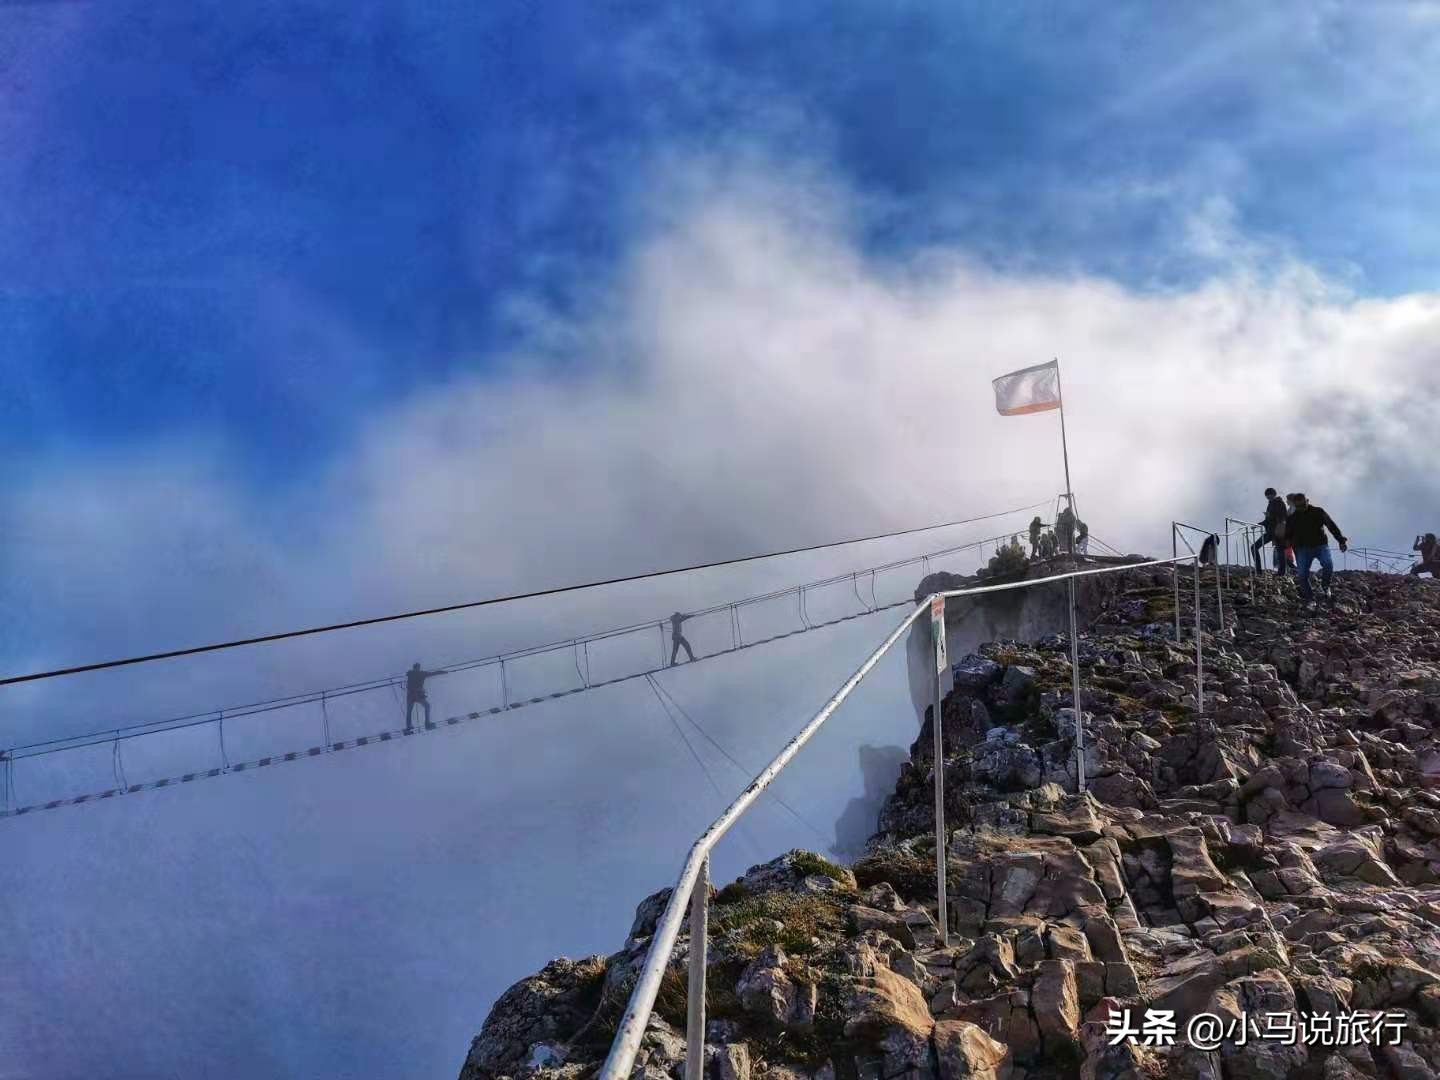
{"type": "Point", "coordinates": [732, 893]}
{"type": "Point", "coordinates": [673, 998]}
{"type": "Point", "coordinates": [808, 864]}
{"type": "Point", "coordinates": [910, 874]}
{"type": "Point", "coordinates": [800, 916]}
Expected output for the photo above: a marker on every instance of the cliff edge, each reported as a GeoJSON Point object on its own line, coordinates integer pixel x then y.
{"type": "Point", "coordinates": [1274, 863]}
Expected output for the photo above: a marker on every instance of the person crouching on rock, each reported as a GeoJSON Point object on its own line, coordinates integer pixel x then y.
{"type": "Point", "coordinates": [1208, 549]}
{"type": "Point", "coordinates": [1307, 534]}
{"type": "Point", "coordinates": [1429, 550]}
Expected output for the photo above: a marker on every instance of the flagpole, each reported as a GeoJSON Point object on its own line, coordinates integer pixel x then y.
{"type": "Point", "coordinates": [1077, 714]}
{"type": "Point", "coordinates": [1064, 443]}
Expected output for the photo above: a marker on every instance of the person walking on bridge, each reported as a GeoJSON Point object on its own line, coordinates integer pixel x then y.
{"type": "Point", "coordinates": [1274, 519]}
{"type": "Point", "coordinates": [1429, 562]}
{"type": "Point", "coordinates": [677, 639]}
{"type": "Point", "coordinates": [1035, 526]}
{"type": "Point", "coordinates": [1306, 533]}
{"type": "Point", "coordinates": [415, 694]}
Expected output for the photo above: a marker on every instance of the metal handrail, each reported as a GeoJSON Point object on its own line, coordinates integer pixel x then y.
{"type": "Point", "coordinates": [692, 886]}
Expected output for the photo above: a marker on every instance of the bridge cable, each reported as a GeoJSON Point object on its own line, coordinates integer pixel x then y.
{"type": "Point", "coordinates": [553, 591]}
{"type": "Point", "coordinates": [655, 684]}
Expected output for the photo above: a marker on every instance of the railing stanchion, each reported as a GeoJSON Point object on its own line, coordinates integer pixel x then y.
{"type": "Point", "coordinates": [1219, 601]}
{"type": "Point", "coordinates": [1199, 661]}
{"type": "Point", "coordinates": [942, 914]}
{"type": "Point", "coordinates": [695, 1001]}
{"type": "Point", "coordinates": [1077, 714]}
{"type": "Point", "coordinates": [1175, 575]}
{"type": "Point", "coordinates": [1251, 546]}
{"type": "Point", "coordinates": [504, 686]}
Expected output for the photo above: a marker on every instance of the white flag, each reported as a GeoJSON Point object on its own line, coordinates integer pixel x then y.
{"type": "Point", "coordinates": [1031, 389]}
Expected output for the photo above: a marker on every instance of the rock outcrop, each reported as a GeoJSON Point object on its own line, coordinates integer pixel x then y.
{"type": "Point", "coordinates": [1270, 857]}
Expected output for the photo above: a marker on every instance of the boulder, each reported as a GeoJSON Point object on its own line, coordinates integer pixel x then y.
{"type": "Point", "coordinates": [964, 1052]}
{"type": "Point", "coordinates": [1056, 1002]}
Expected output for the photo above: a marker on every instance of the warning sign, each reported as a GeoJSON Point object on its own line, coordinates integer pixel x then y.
{"type": "Point", "coordinates": [937, 631]}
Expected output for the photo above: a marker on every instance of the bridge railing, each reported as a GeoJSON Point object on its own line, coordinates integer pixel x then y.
{"type": "Point", "coordinates": [692, 886]}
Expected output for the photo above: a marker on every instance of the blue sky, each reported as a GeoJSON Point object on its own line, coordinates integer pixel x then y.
{"type": "Point", "coordinates": [262, 220]}
{"type": "Point", "coordinates": [313, 311]}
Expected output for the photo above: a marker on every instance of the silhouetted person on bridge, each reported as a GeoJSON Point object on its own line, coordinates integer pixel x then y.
{"type": "Point", "coordinates": [677, 639]}
{"type": "Point", "coordinates": [415, 694]}
{"type": "Point", "coordinates": [1035, 527]}
{"type": "Point", "coordinates": [1273, 525]}
{"type": "Point", "coordinates": [1306, 532]}
{"type": "Point", "coordinates": [1082, 538]}
{"type": "Point", "coordinates": [1429, 550]}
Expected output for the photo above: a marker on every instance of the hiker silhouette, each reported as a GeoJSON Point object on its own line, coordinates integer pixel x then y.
{"type": "Point", "coordinates": [677, 639]}
{"type": "Point", "coordinates": [415, 694]}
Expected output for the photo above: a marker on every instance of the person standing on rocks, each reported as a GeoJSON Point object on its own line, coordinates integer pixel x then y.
{"type": "Point", "coordinates": [1065, 528]}
{"type": "Point", "coordinates": [1273, 526]}
{"type": "Point", "coordinates": [1307, 535]}
{"type": "Point", "coordinates": [1035, 526]}
{"type": "Point", "coordinates": [415, 694]}
{"type": "Point", "coordinates": [677, 639]}
{"type": "Point", "coordinates": [1285, 533]}
{"type": "Point", "coordinates": [1429, 550]}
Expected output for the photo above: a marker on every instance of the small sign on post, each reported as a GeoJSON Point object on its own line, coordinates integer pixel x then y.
{"type": "Point", "coordinates": [937, 632]}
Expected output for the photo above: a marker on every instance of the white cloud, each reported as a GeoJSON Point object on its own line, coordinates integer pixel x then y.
{"type": "Point", "coordinates": [751, 380]}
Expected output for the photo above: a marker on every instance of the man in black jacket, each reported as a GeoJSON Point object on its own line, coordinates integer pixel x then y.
{"type": "Point", "coordinates": [1306, 534]}
{"type": "Point", "coordinates": [1274, 515]}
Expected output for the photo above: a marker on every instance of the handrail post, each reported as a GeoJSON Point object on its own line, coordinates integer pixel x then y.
{"type": "Point", "coordinates": [1078, 715]}
{"type": "Point", "coordinates": [1175, 575]}
{"type": "Point", "coordinates": [1227, 566]}
{"type": "Point", "coordinates": [695, 1001]}
{"type": "Point", "coordinates": [1199, 685]}
{"type": "Point", "coordinates": [1249, 532]}
{"type": "Point", "coordinates": [941, 900]}
{"type": "Point", "coordinates": [1219, 601]}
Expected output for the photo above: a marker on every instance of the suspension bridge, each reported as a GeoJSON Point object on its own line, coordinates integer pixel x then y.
{"type": "Point", "coordinates": [322, 722]}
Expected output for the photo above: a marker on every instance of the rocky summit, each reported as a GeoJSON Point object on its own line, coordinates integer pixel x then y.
{"type": "Point", "coordinates": [1271, 857]}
